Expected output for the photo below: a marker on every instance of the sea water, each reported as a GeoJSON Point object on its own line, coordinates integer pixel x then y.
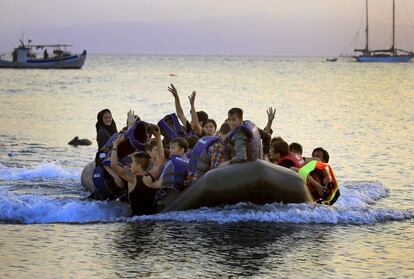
{"type": "Point", "coordinates": [363, 114]}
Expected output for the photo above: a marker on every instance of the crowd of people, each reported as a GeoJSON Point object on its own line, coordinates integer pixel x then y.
{"type": "Point", "coordinates": [180, 151]}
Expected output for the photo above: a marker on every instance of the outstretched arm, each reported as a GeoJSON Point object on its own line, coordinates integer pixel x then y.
{"type": "Point", "coordinates": [123, 173]}
{"type": "Point", "coordinates": [194, 118]}
{"type": "Point", "coordinates": [155, 171]}
{"type": "Point", "coordinates": [270, 117]}
{"type": "Point", "coordinates": [178, 108]}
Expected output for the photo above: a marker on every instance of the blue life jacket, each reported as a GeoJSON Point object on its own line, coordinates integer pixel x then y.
{"type": "Point", "coordinates": [105, 187]}
{"type": "Point", "coordinates": [98, 178]}
{"type": "Point", "coordinates": [200, 160]}
{"type": "Point", "coordinates": [174, 173]}
{"type": "Point", "coordinates": [171, 128]}
{"type": "Point", "coordinates": [254, 146]}
{"type": "Point", "coordinates": [136, 137]}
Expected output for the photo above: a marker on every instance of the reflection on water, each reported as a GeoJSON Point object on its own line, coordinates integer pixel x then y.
{"type": "Point", "coordinates": [207, 250]}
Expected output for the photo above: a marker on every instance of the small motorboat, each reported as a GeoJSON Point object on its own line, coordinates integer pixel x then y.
{"type": "Point", "coordinates": [25, 57]}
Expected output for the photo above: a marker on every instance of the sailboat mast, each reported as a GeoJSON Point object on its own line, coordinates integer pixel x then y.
{"type": "Point", "coordinates": [393, 27]}
{"type": "Point", "coordinates": [366, 25]}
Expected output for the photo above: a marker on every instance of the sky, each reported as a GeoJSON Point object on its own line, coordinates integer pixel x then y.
{"type": "Point", "coordinates": [223, 27]}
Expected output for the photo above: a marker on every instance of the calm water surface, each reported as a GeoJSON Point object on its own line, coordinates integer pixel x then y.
{"type": "Point", "coordinates": [363, 114]}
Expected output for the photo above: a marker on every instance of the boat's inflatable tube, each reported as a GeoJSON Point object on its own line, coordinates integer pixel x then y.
{"type": "Point", "coordinates": [87, 177]}
{"type": "Point", "coordinates": [259, 182]}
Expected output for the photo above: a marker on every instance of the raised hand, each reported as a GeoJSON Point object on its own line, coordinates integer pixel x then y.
{"type": "Point", "coordinates": [156, 132]}
{"type": "Point", "coordinates": [130, 118]}
{"type": "Point", "coordinates": [271, 114]}
{"type": "Point", "coordinates": [192, 98]}
{"type": "Point", "coordinates": [173, 90]}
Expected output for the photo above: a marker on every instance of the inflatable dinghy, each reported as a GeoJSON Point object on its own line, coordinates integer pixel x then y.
{"type": "Point", "coordinates": [259, 182]}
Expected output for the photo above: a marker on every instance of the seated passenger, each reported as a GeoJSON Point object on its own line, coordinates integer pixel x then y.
{"type": "Point", "coordinates": [321, 182]}
{"type": "Point", "coordinates": [244, 137]}
{"type": "Point", "coordinates": [280, 154]}
{"type": "Point", "coordinates": [210, 127]}
{"type": "Point", "coordinates": [296, 150]}
{"type": "Point", "coordinates": [197, 123]}
{"type": "Point", "coordinates": [105, 127]}
{"type": "Point", "coordinates": [141, 197]}
{"type": "Point", "coordinates": [171, 181]}
{"type": "Point", "coordinates": [207, 154]}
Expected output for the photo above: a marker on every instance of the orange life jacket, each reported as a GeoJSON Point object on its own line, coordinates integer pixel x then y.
{"type": "Point", "coordinates": [319, 170]}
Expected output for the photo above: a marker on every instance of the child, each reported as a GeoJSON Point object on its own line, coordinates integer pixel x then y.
{"type": "Point", "coordinates": [207, 154]}
{"type": "Point", "coordinates": [280, 153]}
{"type": "Point", "coordinates": [171, 181]}
{"type": "Point", "coordinates": [244, 137]}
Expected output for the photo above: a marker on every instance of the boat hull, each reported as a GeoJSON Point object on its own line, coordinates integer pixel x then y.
{"type": "Point", "coordinates": [70, 62]}
{"type": "Point", "coordinates": [385, 59]}
{"type": "Point", "coordinates": [259, 182]}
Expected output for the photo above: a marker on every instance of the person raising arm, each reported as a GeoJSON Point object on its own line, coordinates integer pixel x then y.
{"type": "Point", "coordinates": [178, 108]}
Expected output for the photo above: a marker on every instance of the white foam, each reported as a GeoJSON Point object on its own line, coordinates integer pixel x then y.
{"type": "Point", "coordinates": [30, 209]}
{"type": "Point", "coordinates": [353, 207]}
{"type": "Point", "coordinates": [44, 171]}
{"type": "Point", "coordinates": [356, 205]}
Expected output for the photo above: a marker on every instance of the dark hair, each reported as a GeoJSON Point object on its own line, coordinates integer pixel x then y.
{"type": "Point", "coordinates": [142, 159]}
{"type": "Point", "coordinates": [212, 122]}
{"type": "Point", "coordinates": [275, 139]}
{"type": "Point", "coordinates": [236, 111]}
{"type": "Point", "coordinates": [225, 128]}
{"type": "Point", "coordinates": [182, 143]}
{"type": "Point", "coordinates": [281, 147]}
{"type": "Point", "coordinates": [294, 146]}
{"type": "Point", "coordinates": [100, 124]}
{"type": "Point", "coordinates": [192, 140]}
{"type": "Point", "coordinates": [202, 116]}
{"type": "Point", "coordinates": [325, 156]}
{"type": "Point", "coordinates": [152, 144]}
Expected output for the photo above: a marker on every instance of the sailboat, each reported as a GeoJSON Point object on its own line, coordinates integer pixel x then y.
{"type": "Point", "coordinates": [391, 55]}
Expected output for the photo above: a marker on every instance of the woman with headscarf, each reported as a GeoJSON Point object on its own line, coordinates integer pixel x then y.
{"type": "Point", "coordinates": [105, 127]}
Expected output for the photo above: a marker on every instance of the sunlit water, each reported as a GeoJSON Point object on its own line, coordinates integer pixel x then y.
{"type": "Point", "coordinates": [363, 114]}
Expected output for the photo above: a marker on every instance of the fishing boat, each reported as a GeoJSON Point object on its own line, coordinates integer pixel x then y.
{"type": "Point", "coordinates": [391, 55]}
{"type": "Point", "coordinates": [25, 57]}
